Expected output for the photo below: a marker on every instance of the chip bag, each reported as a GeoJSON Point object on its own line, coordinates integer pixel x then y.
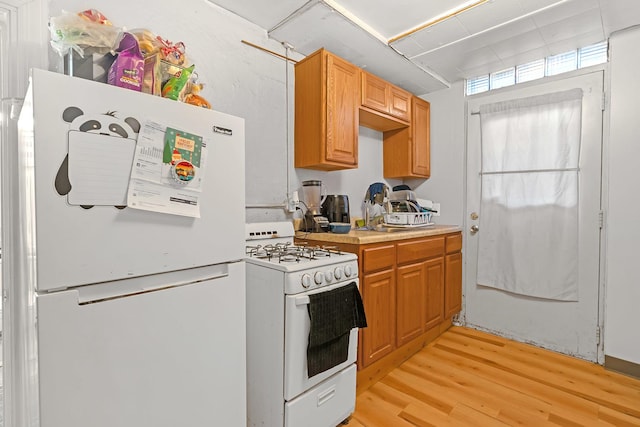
{"type": "Point", "coordinates": [174, 88]}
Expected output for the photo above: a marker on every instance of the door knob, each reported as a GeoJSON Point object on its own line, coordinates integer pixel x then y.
{"type": "Point", "coordinates": [474, 229]}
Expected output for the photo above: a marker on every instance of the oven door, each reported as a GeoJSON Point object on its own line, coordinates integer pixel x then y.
{"type": "Point", "coordinates": [296, 339]}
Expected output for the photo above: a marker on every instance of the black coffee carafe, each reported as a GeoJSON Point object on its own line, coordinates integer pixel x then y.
{"type": "Point", "coordinates": [336, 208]}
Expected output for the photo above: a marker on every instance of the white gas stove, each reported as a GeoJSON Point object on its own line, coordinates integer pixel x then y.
{"type": "Point", "coordinates": [283, 282]}
{"type": "Point", "coordinates": [270, 244]}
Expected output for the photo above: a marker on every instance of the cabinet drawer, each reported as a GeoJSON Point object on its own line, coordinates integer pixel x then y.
{"type": "Point", "coordinates": [454, 243]}
{"type": "Point", "coordinates": [378, 258]}
{"type": "Point", "coordinates": [420, 249]}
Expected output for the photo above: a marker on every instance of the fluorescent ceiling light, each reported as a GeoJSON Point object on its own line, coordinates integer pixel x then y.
{"type": "Point", "coordinates": [439, 18]}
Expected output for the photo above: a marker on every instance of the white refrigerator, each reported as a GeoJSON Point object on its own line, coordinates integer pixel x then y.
{"type": "Point", "coordinates": [122, 316]}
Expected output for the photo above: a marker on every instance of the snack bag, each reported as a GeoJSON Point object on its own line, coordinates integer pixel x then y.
{"type": "Point", "coordinates": [173, 53]}
{"type": "Point", "coordinates": [94, 15]}
{"type": "Point", "coordinates": [128, 68]}
{"type": "Point", "coordinates": [86, 33]}
{"type": "Point", "coordinates": [147, 40]}
{"type": "Point", "coordinates": [174, 88]}
{"type": "Point", "coordinates": [192, 96]}
{"type": "Point", "coordinates": [152, 80]}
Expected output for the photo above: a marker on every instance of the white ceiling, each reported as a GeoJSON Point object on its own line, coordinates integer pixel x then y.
{"type": "Point", "coordinates": [492, 36]}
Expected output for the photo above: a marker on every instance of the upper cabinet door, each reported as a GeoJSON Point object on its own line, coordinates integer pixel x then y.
{"type": "Point", "coordinates": [420, 134]}
{"type": "Point", "coordinates": [327, 97]}
{"type": "Point", "coordinates": [383, 96]}
{"type": "Point", "coordinates": [400, 103]}
{"type": "Point", "coordinates": [375, 93]}
{"type": "Point", "coordinates": [342, 111]}
{"type": "Point", "coordinates": [406, 152]}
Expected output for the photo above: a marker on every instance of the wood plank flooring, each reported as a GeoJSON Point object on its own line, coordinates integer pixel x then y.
{"type": "Point", "coordinates": [470, 378]}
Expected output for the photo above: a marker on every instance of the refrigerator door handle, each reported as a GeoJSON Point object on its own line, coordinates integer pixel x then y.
{"type": "Point", "coordinates": [107, 291]}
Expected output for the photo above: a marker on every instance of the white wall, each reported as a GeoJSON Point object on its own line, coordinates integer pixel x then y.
{"type": "Point", "coordinates": [622, 335]}
{"type": "Point", "coordinates": [354, 182]}
{"type": "Point", "coordinates": [249, 83]}
{"type": "Point", "coordinates": [446, 184]}
{"type": "Point", "coordinates": [239, 79]}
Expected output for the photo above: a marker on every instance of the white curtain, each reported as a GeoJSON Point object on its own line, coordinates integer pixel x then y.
{"type": "Point", "coordinates": [528, 242]}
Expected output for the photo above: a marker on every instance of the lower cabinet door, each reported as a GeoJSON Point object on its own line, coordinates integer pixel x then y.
{"type": "Point", "coordinates": [379, 299]}
{"type": "Point", "coordinates": [411, 281]}
{"type": "Point", "coordinates": [434, 292]}
{"type": "Point", "coordinates": [453, 284]}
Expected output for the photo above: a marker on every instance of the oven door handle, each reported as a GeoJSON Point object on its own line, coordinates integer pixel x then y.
{"type": "Point", "coordinates": [302, 300]}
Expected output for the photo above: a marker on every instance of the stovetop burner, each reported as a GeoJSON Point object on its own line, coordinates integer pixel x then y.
{"type": "Point", "coordinates": [288, 252]}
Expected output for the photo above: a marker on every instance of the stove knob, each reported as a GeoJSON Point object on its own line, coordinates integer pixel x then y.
{"type": "Point", "coordinates": [338, 273]}
{"type": "Point", "coordinates": [348, 271]}
{"type": "Point", "coordinates": [306, 280]}
{"type": "Point", "coordinates": [318, 278]}
{"type": "Point", "coordinates": [328, 275]}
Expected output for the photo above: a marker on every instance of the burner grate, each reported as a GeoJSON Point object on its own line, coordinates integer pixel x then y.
{"type": "Point", "coordinates": [287, 252]}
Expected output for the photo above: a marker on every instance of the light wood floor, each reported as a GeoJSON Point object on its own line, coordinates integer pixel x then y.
{"type": "Point", "coordinates": [470, 378]}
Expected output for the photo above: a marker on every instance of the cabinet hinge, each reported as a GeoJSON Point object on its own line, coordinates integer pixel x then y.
{"type": "Point", "coordinates": [603, 106]}
{"type": "Point", "coordinates": [601, 219]}
{"type": "Point", "coordinates": [598, 335]}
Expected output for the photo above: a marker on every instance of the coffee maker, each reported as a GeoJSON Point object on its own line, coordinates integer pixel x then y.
{"type": "Point", "coordinates": [313, 220]}
{"type": "Point", "coordinates": [336, 208]}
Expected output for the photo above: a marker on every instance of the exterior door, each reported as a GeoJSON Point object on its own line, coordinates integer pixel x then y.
{"type": "Point", "coordinates": [567, 327]}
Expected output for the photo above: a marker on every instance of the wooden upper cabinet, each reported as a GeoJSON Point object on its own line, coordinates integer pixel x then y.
{"type": "Point", "coordinates": [334, 97]}
{"type": "Point", "coordinates": [327, 96]}
{"type": "Point", "coordinates": [420, 136]}
{"type": "Point", "coordinates": [400, 103]}
{"type": "Point", "coordinates": [391, 105]}
{"type": "Point", "coordinates": [406, 152]}
{"type": "Point", "coordinates": [374, 92]}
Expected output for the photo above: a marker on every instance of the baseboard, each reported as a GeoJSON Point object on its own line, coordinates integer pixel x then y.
{"type": "Point", "coordinates": [622, 366]}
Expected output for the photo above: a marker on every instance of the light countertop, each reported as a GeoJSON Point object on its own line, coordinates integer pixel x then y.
{"type": "Point", "coordinates": [363, 237]}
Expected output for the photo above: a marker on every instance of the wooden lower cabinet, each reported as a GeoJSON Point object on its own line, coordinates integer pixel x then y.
{"type": "Point", "coordinates": [378, 338]}
{"type": "Point", "coordinates": [453, 284]}
{"type": "Point", "coordinates": [410, 294]}
{"type": "Point", "coordinates": [453, 275]}
{"type": "Point", "coordinates": [419, 298]}
{"type": "Point", "coordinates": [410, 290]}
{"type": "Point", "coordinates": [405, 286]}
{"type": "Point", "coordinates": [434, 292]}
